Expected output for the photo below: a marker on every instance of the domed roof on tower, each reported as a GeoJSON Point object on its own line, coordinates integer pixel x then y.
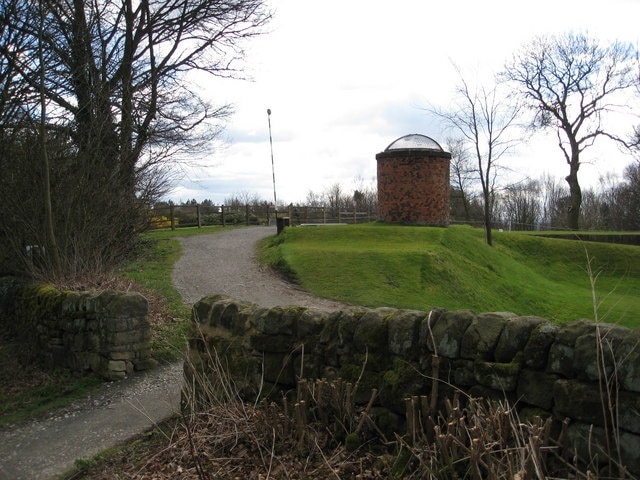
{"type": "Point", "coordinates": [414, 141]}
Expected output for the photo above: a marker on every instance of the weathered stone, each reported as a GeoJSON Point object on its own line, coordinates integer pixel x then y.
{"type": "Point", "coordinates": [201, 310]}
{"type": "Point", "coordinates": [372, 332]}
{"type": "Point", "coordinates": [121, 355]}
{"type": "Point", "coordinates": [536, 351]}
{"type": "Point", "coordinates": [310, 323]}
{"type": "Point", "coordinates": [117, 324]}
{"type": "Point", "coordinates": [272, 343]}
{"type": "Point", "coordinates": [594, 354]}
{"type": "Point", "coordinates": [448, 331]}
{"type": "Point", "coordinates": [536, 388]}
{"type": "Point", "coordinates": [630, 452]}
{"type": "Point", "coordinates": [222, 312]}
{"type": "Point", "coordinates": [569, 332]}
{"type": "Point", "coordinates": [117, 366]}
{"type": "Point", "coordinates": [628, 357]}
{"type": "Point", "coordinates": [627, 405]}
{"type": "Point", "coordinates": [515, 336]}
{"type": "Point", "coordinates": [425, 327]}
{"type": "Point", "coordinates": [463, 373]}
{"type": "Point", "coordinates": [125, 338]}
{"type": "Point", "coordinates": [481, 337]}
{"type": "Point", "coordinates": [403, 332]}
{"type": "Point", "coordinates": [497, 376]}
{"type": "Point", "coordinates": [577, 400]}
{"type": "Point", "coordinates": [329, 333]}
{"type": "Point", "coordinates": [128, 304]}
{"type": "Point", "coordinates": [561, 359]}
{"type": "Point", "coordinates": [240, 323]}
{"type": "Point", "coordinates": [275, 321]}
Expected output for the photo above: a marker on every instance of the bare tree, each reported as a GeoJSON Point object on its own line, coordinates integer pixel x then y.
{"type": "Point", "coordinates": [117, 88]}
{"type": "Point", "coordinates": [484, 119]}
{"type": "Point", "coordinates": [570, 82]}
{"type": "Point", "coordinates": [463, 174]}
{"type": "Point", "coordinates": [554, 197]}
{"type": "Point", "coordinates": [521, 206]}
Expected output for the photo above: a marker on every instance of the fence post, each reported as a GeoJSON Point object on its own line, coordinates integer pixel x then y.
{"type": "Point", "coordinates": [222, 215]}
{"type": "Point", "coordinates": [246, 214]}
{"type": "Point", "coordinates": [355, 216]}
{"type": "Point", "coordinates": [198, 215]}
{"type": "Point", "coordinates": [173, 222]}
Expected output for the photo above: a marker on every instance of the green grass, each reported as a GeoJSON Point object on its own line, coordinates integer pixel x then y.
{"type": "Point", "coordinates": [152, 268]}
{"type": "Point", "coordinates": [28, 391]}
{"type": "Point", "coordinates": [423, 267]}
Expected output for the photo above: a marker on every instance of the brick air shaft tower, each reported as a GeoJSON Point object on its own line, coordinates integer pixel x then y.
{"type": "Point", "coordinates": [413, 182]}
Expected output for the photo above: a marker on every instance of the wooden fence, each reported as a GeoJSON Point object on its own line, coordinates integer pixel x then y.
{"type": "Point", "coordinates": [176, 216]}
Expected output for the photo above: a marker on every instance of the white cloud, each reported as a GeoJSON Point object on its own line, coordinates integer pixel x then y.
{"type": "Point", "coordinates": [345, 78]}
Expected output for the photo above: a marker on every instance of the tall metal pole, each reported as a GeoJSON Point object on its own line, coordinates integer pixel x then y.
{"type": "Point", "coordinates": [273, 171]}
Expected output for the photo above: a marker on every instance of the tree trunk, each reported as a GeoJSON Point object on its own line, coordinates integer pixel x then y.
{"type": "Point", "coordinates": [488, 235]}
{"type": "Point", "coordinates": [575, 193]}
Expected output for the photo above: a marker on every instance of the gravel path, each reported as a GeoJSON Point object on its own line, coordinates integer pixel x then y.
{"type": "Point", "coordinates": [225, 263]}
{"type": "Point", "coordinates": [221, 263]}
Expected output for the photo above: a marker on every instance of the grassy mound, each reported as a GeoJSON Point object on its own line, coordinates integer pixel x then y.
{"type": "Point", "coordinates": [424, 267]}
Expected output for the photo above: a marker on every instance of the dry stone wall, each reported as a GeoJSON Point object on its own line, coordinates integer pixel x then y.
{"type": "Point", "coordinates": [106, 332]}
{"type": "Point", "coordinates": [543, 369]}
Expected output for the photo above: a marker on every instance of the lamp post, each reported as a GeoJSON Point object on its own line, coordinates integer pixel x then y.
{"type": "Point", "coordinates": [273, 171]}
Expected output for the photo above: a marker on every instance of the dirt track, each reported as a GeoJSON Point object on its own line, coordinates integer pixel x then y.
{"type": "Point", "coordinates": [219, 263]}
{"type": "Point", "coordinates": [226, 263]}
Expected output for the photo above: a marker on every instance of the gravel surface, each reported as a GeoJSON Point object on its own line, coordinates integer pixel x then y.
{"type": "Point", "coordinates": [220, 263]}
{"type": "Point", "coordinates": [225, 263]}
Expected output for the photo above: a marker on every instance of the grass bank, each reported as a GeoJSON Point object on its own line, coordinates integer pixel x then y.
{"type": "Point", "coordinates": [424, 267]}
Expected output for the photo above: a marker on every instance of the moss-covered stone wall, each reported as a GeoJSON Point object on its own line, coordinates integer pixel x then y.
{"type": "Point", "coordinates": [543, 369]}
{"type": "Point", "coordinates": [105, 332]}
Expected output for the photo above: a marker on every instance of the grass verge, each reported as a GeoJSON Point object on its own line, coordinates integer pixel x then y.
{"type": "Point", "coordinates": [423, 267]}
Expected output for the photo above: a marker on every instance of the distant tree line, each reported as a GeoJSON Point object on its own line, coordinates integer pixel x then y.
{"type": "Point", "coordinates": [531, 204]}
{"type": "Point", "coordinates": [541, 204]}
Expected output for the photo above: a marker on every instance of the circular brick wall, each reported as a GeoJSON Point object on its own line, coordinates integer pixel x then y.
{"type": "Point", "coordinates": [413, 183]}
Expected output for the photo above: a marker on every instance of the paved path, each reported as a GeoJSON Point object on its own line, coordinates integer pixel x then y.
{"type": "Point", "coordinates": [218, 263]}
{"type": "Point", "coordinates": [44, 449]}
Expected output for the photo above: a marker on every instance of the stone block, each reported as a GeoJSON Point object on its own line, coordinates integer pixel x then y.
{"type": "Point", "coordinates": [274, 322]}
{"type": "Point", "coordinates": [121, 355]}
{"type": "Point", "coordinates": [577, 400]}
{"type": "Point", "coordinates": [594, 353]}
{"type": "Point", "coordinates": [561, 359]}
{"type": "Point", "coordinates": [448, 331]}
{"type": "Point", "coordinates": [372, 332]}
{"type": "Point", "coordinates": [515, 336]}
{"type": "Point", "coordinates": [497, 376]}
{"type": "Point", "coordinates": [628, 409]}
{"type": "Point", "coordinates": [628, 357]}
{"type": "Point", "coordinates": [536, 388]}
{"type": "Point", "coordinates": [481, 337]}
{"type": "Point", "coordinates": [403, 333]}
{"type": "Point", "coordinates": [201, 310]}
{"type": "Point", "coordinates": [463, 373]}
{"type": "Point", "coordinates": [310, 323]}
{"type": "Point", "coordinates": [536, 351]}
{"type": "Point", "coordinates": [117, 366]}
{"type": "Point", "coordinates": [272, 343]}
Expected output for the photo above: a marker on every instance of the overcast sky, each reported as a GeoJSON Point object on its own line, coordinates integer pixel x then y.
{"type": "Point", "coordinates": [344, 78]}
